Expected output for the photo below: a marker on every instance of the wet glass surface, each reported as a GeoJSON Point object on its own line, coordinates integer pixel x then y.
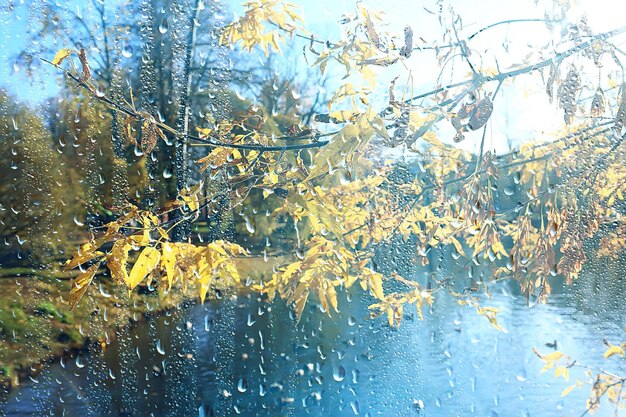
{"type": "Point", "coordinates": [242, 357]}
{"type": "Point", "coordinates": [347, 158]}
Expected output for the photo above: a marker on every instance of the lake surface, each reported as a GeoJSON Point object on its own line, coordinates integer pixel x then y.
{"type": "Point", "coordinates": [250, 358]}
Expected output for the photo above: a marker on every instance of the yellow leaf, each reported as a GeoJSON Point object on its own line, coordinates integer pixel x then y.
{"type": "Point", "coordinates": [61, 56]}
{"type": "Point", "coordinates": [274, 38]}
{"type": "Point", "coordinates": [554, 356]}
{"type": "Point", "coordinates": [374, 281]}
{"type": "Point", "coordinates": [369, 76]}
{"type": "Point", "coordinates": [299, 305]}
{"type": "Point", "coordinates": [191, 201]}
{"type": "Point", "coordinates": [561, 371]}
{"type": "Point", "coordinates": [351, 138]}
{"type": "Point", "coordinates": [81, 283]}
{"type": "Point", "coordinates": [567, 390]}
{"type": "Point", "coordinates": [272, 176]}
{"type": "Point", "coordinates": [205, 281]}
{"type": "Point", "coordinates": [168, 262]}
{"type": "Point", "coordinates": [142, 239]}
{"type": "Point", "coordinates": [421, 124]}
{"type": "Point", "coordinates": [316, 208]}
{"type": "Point", "coordinates": [342, 116]}
{"type": "Point", "coordinates": [390, 319]}
{"type": "Point", "coordinates": [332, 297]}
{"type": "Point", "coordinates": [547, 366]}
{"type": "Point", "coordinates": [163, 233]}
{"type": "Point", "coordinates": [190, 196]}
{"type": "Point", "coordinates": [146, 263]}
{"type": "Point", "coordinates": [614, 350]}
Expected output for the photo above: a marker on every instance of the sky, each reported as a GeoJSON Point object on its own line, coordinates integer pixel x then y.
{"type": "Point", "coordinates": [522, 113]}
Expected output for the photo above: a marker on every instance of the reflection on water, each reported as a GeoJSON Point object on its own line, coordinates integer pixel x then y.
{"type": "Point", "coordinates": [250, 358]}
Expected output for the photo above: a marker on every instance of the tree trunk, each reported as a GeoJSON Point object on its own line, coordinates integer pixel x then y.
{"type": "Point", "coordinates": [182, 230]}
{"type": "Point", "coordinates": [147, 80]}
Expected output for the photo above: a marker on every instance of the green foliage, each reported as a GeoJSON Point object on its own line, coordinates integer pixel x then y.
{"type": "Point", "coordinates": [12, 319]}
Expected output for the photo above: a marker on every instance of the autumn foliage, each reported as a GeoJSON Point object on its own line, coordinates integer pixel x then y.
{"type": "Point", "coordinates": [333, 183]}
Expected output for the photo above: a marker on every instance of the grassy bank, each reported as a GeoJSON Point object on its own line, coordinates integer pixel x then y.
{"type": "Point", "coordinates": [36, 324]}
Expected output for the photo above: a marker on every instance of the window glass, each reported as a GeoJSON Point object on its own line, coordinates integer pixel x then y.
{"type": "Point", "coordinates": [327, 208]}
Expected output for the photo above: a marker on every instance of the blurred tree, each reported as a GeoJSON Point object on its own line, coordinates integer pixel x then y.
{"type": "Point", "coordinates": [36, 214]}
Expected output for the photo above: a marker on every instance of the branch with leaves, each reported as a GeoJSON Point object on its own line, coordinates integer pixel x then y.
{"type": "Point", "coordinates": [523, 215]}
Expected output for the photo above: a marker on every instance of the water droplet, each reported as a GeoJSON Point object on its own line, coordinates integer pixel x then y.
{"type": "Point", "coordinates": [164, 26]}
{"type": "Point", "coordinates": [127, 52]}
{"type": "Point", "coordinates": [419, 404]}
{"type": "Point", "coordinates": [103, 292]}
{"type": "Point", "coordinates": [242, 385]}
{"type": "Point", "coordinates": [159, 347]}
{"type": "Point", "coordinates": [249, 226]}
{"type": "Point", "coordinates": [79, 362]}
{"type": "Point", "coordinates": [339, 373]}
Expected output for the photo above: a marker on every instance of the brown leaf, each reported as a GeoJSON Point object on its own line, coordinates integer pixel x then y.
{"type": "Point", "coordinates": [81, 283]}
{"type": "Point", "coordinates": [128, 130]}
{"type": "Point", "coordinates": [85, 65]}
{"type": "Point", "coordinates": [117, 259]}
{"type": "Point", "coordinates": [85, 253]}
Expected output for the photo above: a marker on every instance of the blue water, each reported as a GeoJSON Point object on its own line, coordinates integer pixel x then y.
{"type": "Point", "coordinates": [245, 357]}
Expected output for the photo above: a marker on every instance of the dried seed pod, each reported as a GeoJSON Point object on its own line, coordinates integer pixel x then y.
{"type": "Point", "coordinates": [148, 132]}
{"type": "Point", "coordinates": [472, 115]}
{"type": "Point", "coordinates": [567, 93]}
{"type": "Point", "coordinates": [596, 51]}
{"type": "Point", "coordinates": [481, 113]}
{"type": "Point", "coordinates": [148, 136]}
{"type": "Point", "coordinates": [550, 82]}
{"type": "Point", "coordinates": [371, 32]}
{"type": "Point", "coordinates": [620, 117]}
{"type": "Point", "coordinates": [408, 42]}
{"type": "Point", "coordinates": [598, 103]}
